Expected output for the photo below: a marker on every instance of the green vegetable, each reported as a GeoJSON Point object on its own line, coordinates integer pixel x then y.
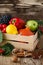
{"type": "Point", "coordinates": [1, 36]}
{"type": "Point", "coordinates": [39, 33]}
{"type": "Point", "coordinates": [8, 48]}
{"type": "Point", "coordinates": [40, 22]}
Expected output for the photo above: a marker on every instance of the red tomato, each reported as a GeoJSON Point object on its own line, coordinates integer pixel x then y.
{"type": "Point", "coordinates": [4, 26]}
{"type": "Point", "coordinates": [4, 30]}
{"type": "Point", "coordinates": [1, 51]}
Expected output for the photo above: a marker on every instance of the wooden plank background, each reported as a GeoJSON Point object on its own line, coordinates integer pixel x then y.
{"type": "Point", "coordinates": [25, 11]}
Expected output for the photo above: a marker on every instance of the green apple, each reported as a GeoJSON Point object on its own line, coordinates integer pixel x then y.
{"type": "Point", "coordinates": [32, 24]}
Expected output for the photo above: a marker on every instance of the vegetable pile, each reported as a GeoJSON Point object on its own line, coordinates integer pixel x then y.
{"type": "Point", "coordinates": [17, 26]}
{"type": "Point", "coordinates": [13, 25]}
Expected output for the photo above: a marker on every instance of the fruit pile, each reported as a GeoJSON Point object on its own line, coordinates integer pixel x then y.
{"type": "Point", "coordinates": [13, 25]}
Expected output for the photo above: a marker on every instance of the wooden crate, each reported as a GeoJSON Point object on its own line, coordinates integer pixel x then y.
{"type": "Point", "coordinates": [22, 42]}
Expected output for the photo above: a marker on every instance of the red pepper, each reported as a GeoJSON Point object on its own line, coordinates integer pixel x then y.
{"type": "Point", "coordinates": [19, 23]}
{"type": "Point", "coordinates": [13, 20]}
{"type": "Point", "coordinates": [1, 51]}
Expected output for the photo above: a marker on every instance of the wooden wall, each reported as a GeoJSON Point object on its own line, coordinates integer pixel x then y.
{"type": "Point", "coordinates": [23, 11]}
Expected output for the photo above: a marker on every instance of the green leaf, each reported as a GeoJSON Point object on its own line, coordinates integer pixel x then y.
{"type": "Point", "coordinates": [1, 36]}
{"type": "Point", "coordinates": [40, 22]}
{"type": "Point", "coordinates": [39, 33]}
{"type": "Point", "coordinates": [8, 48]}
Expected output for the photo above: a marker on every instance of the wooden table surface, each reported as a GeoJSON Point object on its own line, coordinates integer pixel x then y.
{"type": "Point", "coordinates": [23, 61]}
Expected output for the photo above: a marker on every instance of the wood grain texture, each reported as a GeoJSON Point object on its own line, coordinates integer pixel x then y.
{"type": "Point", "coordinates": [23, 61]}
